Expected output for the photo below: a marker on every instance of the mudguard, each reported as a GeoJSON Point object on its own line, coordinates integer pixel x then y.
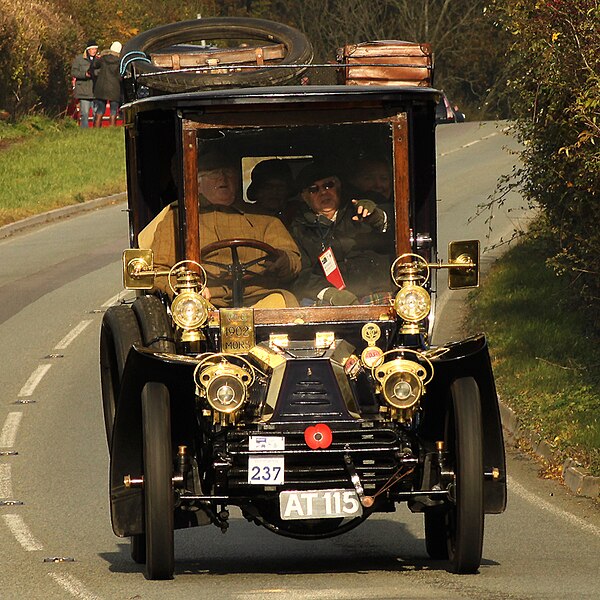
{"type": "Point", "coordinates": [142, 366]}
{"type": "Point", "coordinates": [470, 358]}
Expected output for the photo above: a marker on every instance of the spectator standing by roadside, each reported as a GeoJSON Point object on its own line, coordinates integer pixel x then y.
{"type": "Point", "coordinates": [107, 87]}
{"type": "Point", "coordinates": [82, 70]}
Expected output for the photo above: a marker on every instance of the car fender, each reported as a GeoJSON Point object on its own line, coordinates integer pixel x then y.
{"type": "Point", "coordinates": [470, 358]}
{"type": "Point", "coordinates": [142, 366]}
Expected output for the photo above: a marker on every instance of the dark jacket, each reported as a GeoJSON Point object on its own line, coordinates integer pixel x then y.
{"type": "Point", "coordinates": [84, 84]}
{"type": "Point", "coordinates": [363, 254]}
{"type": "Point", "coordinates": [108, 79]}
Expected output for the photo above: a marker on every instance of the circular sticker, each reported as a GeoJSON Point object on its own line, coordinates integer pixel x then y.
{"type": "Point", "coordinates": [371, 355]}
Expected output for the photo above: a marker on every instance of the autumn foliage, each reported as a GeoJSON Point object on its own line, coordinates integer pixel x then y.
{"type": "Point", "coordinates": [555, 85]}
{"type": "Point", "coordinates": [35, 48]}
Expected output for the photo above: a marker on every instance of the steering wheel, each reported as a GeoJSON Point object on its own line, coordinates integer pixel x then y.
{"type": "Point", "coordinates": [238, 270]}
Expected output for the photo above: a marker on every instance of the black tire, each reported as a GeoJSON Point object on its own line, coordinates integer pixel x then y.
{"type": "Point", "coordinates": [155, 325]}
{"type": "Point", "coordinates": [464, 442]}
{"type": "Point", "coordinates": [156, 333]}
{"type": "Point", "coordinates": [137, 548]}
{"type": "Point", "coordinates": [436, 540]}
{"type": "Point", "coordinates": [119, 331]}
{"type": "Point", "coordinates": [158, 482]}
{"type": "Point", "coordinates": [298, 52]}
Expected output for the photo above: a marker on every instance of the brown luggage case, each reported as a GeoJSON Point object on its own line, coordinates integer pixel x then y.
{"type": "Point", "coordinates": [386, 63]}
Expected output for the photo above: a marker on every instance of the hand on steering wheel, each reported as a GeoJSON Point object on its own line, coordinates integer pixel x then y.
{"type": "Point", "coordinates": [239, 270]}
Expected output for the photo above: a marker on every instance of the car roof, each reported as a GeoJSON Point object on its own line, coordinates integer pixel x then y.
{"type": "Point", "coordinates": [282, 95]}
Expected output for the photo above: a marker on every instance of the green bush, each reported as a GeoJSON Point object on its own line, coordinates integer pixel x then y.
{"type": "Point", "coordinates": [36, 42]}
{"type": "Point", "coordinates": [555, 67]}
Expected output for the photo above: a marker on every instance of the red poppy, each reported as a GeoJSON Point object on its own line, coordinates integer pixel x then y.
{"type": "Point", "coordinates": [318, 436]}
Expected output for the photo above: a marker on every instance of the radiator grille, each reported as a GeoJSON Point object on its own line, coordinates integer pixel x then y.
{"type": "Point", "coordinates": [372, 450]}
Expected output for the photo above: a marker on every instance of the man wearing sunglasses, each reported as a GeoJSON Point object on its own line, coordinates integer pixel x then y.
{"type": "Point", "coordinates": [338, 237]}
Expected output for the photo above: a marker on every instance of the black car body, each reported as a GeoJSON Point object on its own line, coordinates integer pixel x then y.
{"type": "Point", "coordinates": [309, 418]}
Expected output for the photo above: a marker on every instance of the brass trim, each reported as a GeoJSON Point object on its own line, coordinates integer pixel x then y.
{"type": "Point", "coordinates": [464, 257]}
{"type": "Point", "coordinates": [138, 269]}
{"type": "Point", "coordinates": [237, 330]}
{"type": "Point", "coordinates": [324, 339]}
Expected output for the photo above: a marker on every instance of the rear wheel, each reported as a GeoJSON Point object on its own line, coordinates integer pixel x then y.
{"type": "Point", "coordinates": [158, 482]}
{"type": "Point", "coordinates": [119, 331]}
{"type": "Point", "coordinates": [436, 540]}
{"type": "Point", "coordinates": [464, 444]}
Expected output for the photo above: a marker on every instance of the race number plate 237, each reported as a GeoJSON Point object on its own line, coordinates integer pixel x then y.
{"type": "Point", "coordinates": [266, 470]}
{"type": "Point", "coordinates": [319, 504]}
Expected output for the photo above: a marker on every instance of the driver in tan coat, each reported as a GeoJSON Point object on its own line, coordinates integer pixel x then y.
{"type": "Point", "coordinates": [223, 217]}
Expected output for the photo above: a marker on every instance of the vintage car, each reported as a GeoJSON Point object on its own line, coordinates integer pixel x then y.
{"type": "Point", "coordinates": [224, 384]}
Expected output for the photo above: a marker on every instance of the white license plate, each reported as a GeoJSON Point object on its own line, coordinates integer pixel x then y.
{"type": "Point", "coordinates": [266, 470]}
{"type": "Point", "coordinates": [319, 504]}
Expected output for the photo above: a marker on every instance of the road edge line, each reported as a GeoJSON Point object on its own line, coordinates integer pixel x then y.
{"type": "Point", "coordinates": [57, 214]}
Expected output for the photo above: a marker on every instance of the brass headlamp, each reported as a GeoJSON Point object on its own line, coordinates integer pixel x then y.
{"type": "Point", "coordinates": [402, 382]}
{"type": "Point", "coordinates": [189, 309]}
{"type": "Point", "coordinates": [224, 384]}
{"type": "Point", "coordinates": [410, 272]}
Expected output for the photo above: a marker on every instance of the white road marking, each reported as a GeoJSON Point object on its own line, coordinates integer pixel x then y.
{"type": "Point", "coordinates": [118, 298]}
{"type": "Point", "coordinates": [73, 586]}
{"type": "Point", "coordinates": [111, 301]}
{"type": "Point", "coordinates": [8, 435]}
{"type": "Point", "coordinates": [72, 335]}
{"type": "Point", "coordinates": [518, 489]}
{"type": "Point", "coordinates": [21, 532]}
{"type": "Point", "coordinates": [34, 379]}
{"type": "Point", "coordinates": [485, 137]}
{"type": "Point", "coordinates": [6, 491]}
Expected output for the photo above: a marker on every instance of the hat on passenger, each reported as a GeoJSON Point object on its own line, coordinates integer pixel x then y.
{"type": "Point", "coordinates": [214, 159]}
{"type": "Point", "coordinates": [266, 170]}
{"type": "Point", "coordinates": [315, 171]}
{"type": "Point", "coordinates": [116, 47]}
{"type": "Point", "coordinates": [91, 44]}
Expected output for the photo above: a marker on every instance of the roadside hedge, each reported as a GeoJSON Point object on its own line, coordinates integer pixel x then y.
{"type": "Point", "coordinates": [36, 43]}
{"type": "Point", "coordinates": [555, 87]}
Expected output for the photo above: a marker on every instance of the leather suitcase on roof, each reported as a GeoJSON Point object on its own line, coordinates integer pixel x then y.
{"type": "Point", "coordinates": [386, 62]}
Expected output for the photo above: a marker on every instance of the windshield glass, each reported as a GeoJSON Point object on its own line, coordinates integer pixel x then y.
{"type": "Point", "coordinates": [321, 196]}
{"type": "Point", "coordinates": [295, 215]}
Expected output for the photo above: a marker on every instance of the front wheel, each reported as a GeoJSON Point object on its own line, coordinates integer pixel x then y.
{"type": "Point", "coordinates": [464, 444]}
{"type": "Point", "coordinates": [158, 482]}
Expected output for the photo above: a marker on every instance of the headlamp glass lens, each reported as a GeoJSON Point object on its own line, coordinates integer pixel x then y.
{"type": "Point", "coordinates": [402, 390]}
{"type": "Point", "coordinates": [189, 310]}
{"type": "Point", "coordinates": [412, 303]}
{"type": "Point", "coordinates": [225, 393]}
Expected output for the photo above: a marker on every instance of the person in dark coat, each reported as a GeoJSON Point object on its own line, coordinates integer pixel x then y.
{"type": "Point", "coordinates": [108, 83]}
{"type": "Point", "coordinates": [82, 71]}
{"type": "Point", "coordinates": [353, 230]}
{"type": "Point", "coordinates": [272, 184]}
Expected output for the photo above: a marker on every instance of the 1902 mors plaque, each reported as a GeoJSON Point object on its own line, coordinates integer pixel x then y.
{"type": "Point", "coordinates": [237, 330]}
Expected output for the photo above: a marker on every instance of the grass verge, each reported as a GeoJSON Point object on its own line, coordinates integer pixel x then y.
{"type": "Point", "coordinates": [47, 164]}
{"type": "Point", "coordinates": [545, 354]}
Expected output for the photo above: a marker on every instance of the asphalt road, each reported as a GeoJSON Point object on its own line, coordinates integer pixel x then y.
{"type": "Point", "coordinates": [55, 535]}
